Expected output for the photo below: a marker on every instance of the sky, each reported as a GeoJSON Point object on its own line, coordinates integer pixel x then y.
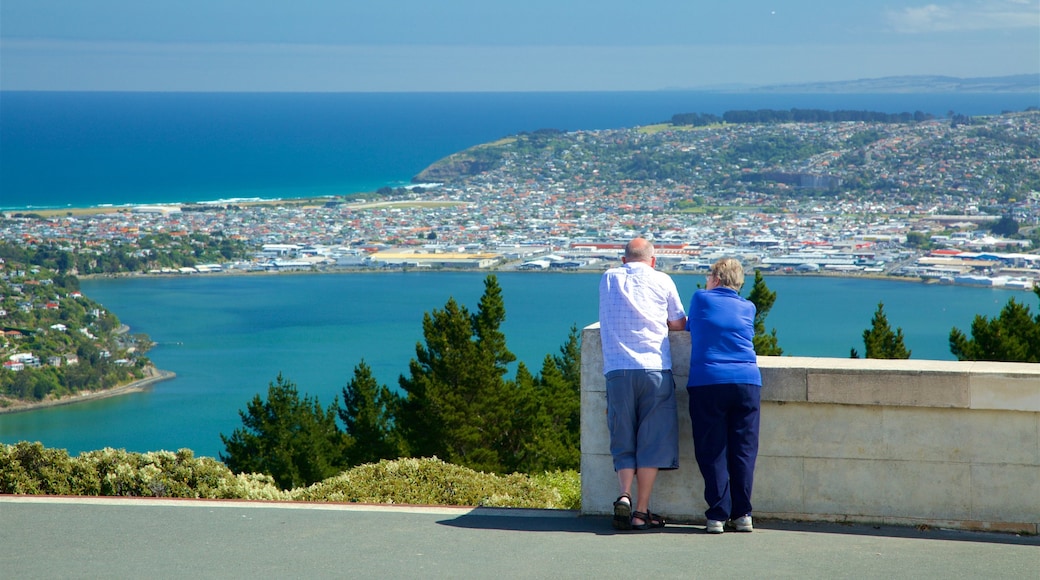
{"type": "Point", "coordinates": [491, 45]}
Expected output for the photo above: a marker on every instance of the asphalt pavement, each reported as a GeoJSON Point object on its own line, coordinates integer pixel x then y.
{"type": "Point", "coordinates": [60, 537]}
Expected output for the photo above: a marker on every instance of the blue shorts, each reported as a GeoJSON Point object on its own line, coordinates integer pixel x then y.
{"type": "Point", "coordinates": [642, 419]}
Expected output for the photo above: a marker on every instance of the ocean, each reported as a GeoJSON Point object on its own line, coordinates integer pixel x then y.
{"type": "Point", "coordinates": [94, 149]}
{"type": "Point", "coordinates": [228, 337]}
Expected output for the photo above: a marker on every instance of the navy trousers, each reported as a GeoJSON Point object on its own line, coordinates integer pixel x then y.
{"type": "Point", "coordinates": [725, 440]}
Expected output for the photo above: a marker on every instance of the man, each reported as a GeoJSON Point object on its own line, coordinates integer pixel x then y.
{"type": "Point", "coordinates": [638, 306]}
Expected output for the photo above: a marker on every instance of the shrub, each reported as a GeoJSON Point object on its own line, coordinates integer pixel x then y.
{"type": "Point", "coordinates": [32, 469]}
{"type": "Point", "coordinates": [430, 481]}
{"type": "Point", "coordinates": [180, 474]}
{"type": "Point", "coordinates": [567, 485]}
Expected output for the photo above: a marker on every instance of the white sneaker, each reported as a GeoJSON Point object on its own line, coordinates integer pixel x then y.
{"type": "Point", "coordinates": [714, 527]}
{"type": "Point", "coordinates": [743, 524]}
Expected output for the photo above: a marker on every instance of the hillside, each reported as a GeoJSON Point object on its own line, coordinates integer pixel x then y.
{"type": "Point", "coordinates": [781, 158]}
{"type": "Point", "coordinates": [914, 84]}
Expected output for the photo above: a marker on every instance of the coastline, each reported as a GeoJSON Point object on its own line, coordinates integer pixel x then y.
{"type": "Point", "coordinates": [507, 267]}
{"type": "Point", "coordinates": [154, 375]}
{"type": "Point", "coordinates": [53, 212]}
{"type": "Point", "coordinates": [507, 270]}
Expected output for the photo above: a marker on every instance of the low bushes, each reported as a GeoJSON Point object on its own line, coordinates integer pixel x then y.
{"type": "Point", "coordinates": [434, 482]}
{"type": "Point", "coordinates": [32, 469]}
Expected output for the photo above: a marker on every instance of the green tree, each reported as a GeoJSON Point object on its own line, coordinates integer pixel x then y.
{"type": "Point", "coordinates": [569, 360]}
{"type": "Point", "coordinates": [367, 413]}
{"type": "Point", "coordinates": [458, 405]}
{"type": "Point", "coordinates": [1013, 336]}
{"type": "Point", "coordinates": [486, 326]}
{"type": "Point", "coordinates": [1005, 226]}
{"type": "Point", "coordinates": [291, 439]}
{"type": "Point", "coordinates": [437, 367]}
{"type": "Point", "coordinates": [880, 341]}
{"type": "Point", "coordinates": [520, 445]}
{"type": "Point", "coordinates": [556, 432]}
{"type": "Point", "coordinates": [763, 298]}
{"type": "Point", "coordinates": [918, 240]}
{"type": "Point", "coordinates": [546, 427]}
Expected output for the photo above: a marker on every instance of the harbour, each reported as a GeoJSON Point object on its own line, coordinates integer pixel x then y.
{"type": "Point", "coordinates": [228, 337]}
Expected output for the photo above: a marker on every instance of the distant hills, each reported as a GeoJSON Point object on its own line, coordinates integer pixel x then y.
{"type": "Point", "coordinates": [911, 84]}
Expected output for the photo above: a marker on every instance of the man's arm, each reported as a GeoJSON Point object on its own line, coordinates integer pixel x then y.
{"type": "Point", "coordinates": [677, 324]}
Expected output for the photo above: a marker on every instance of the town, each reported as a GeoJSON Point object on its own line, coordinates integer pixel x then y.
{"type": "Point", "coordinates": [951, 200]}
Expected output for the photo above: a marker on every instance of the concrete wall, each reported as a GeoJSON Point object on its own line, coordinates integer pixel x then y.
{"type": "Point", "coordinates": [913, 442]}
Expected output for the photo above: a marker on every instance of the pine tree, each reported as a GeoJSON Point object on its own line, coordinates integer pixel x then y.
{"type": "Point", "coordinates": [367, 413]}
{"type": "Point", "coordinates": [569, 360]}
{"type": "Point", "coordinates": [556, 440]}
{"type": "Point", "coordinates": [293, 440]}
{"type": "Point", "coordinates": [880, 341]}
{"type": "Point", "coordinates": [1013, 336]}
{"type": "Point", "coordinates": [438, 369]}
{"type": "Point", "coordinates": [763, 298]}
{"type": "Point", "coordinates": [552, 401]}
{"type": "Point", "coordinates": [521, 447]}
{"type": "Point", "coordinates": [486, 326]}
{"type": "Point", "coordinates": [458, 404]}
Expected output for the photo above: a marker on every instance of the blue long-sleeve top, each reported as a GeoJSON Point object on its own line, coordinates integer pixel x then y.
{"type": "Point", "coordinates": [722, 327]}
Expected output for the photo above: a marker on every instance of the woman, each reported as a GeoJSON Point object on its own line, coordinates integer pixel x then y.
{"type": "Point", "coordinates": [724, 387]}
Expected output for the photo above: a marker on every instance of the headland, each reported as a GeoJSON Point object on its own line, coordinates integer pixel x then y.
{"type": "Point", "coordinates": [902, 198]}
{"type": "Point", "coordinates": [152, 376]}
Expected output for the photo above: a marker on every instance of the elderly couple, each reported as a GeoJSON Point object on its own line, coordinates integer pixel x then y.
{"type": "Point", "coordinates": [637, 307]}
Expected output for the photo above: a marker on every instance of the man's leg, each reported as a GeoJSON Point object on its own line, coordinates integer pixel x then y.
{"type": "Point", "coordinates": [645, 476]}
{"type": "Point", "coordinates": [657, 442]}
{"type": "Point", "coordinates": [625, 478]}
{"type": "Point", "coordinates": [621, 425]}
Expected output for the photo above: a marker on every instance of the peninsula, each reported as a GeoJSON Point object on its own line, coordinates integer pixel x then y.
{"type": "Point", "coordinates": [801, 191]}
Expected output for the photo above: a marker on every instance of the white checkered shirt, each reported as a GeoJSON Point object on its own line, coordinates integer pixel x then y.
{"type": "Point", "coordinates": [635, 304]}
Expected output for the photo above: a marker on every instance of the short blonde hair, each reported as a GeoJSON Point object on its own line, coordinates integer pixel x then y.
{"type": "Point", "coordinates": [729, 272]}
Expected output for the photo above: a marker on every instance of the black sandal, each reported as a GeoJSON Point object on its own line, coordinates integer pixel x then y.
{"type": "Point", "coordinates": [623, 512]}
{"type": "Point", "coordinates": [650, 520]}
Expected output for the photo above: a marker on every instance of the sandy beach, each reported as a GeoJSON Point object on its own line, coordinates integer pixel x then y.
{"type": "Point", "coordinates": [153, 375]}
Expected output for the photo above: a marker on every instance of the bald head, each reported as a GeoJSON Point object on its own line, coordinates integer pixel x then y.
{"type": "Point", "coordinates": [639, 250]}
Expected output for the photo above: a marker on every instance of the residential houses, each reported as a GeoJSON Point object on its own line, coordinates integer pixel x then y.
{"type": "Point", "coordinates": [927, 178]}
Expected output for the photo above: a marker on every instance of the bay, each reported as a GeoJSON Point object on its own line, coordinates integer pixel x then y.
{"type": "Point", "coordinates": [228, 337]}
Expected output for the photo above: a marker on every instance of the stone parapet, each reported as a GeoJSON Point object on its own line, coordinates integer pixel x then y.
{"type": "Point", "coordinates": [906, 442]}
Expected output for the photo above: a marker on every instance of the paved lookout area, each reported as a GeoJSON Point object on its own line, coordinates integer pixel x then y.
{"type": "Point", "coordinates": [55, 537]}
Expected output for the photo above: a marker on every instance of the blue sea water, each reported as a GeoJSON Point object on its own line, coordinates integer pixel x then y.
{"type": "Point", "coordinates": [90, 149]}
{"type": "Point", "coordinates": [228, 337]}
